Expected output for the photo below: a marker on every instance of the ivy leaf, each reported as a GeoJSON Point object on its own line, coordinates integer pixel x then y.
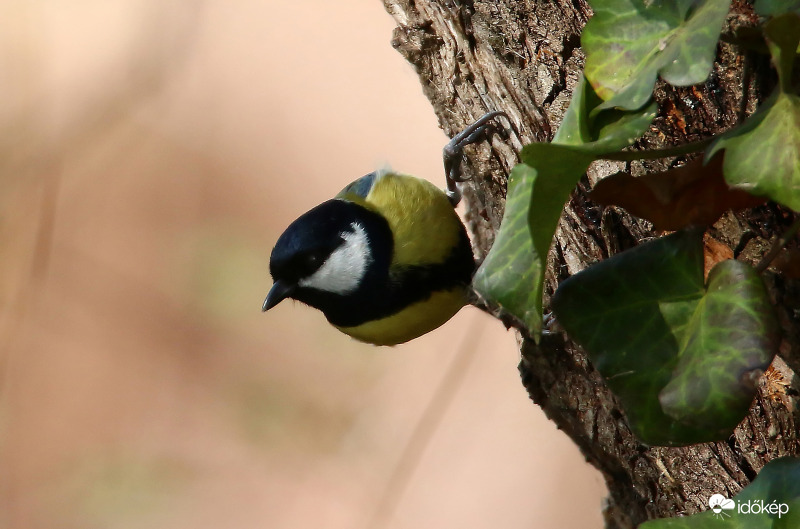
{"type": "Point", "coordinates": [768, 8]}
{"type": "Point", "coordinates": [610, 131]}
{"type": "Point", "coordinates": [730, 340]}
{"type": "Point", "coordinates": [576, 124]}
{"type": "Point", "coordinates": [681, 357]}
{"type": "Point", "coordinates": [628, 43]}
{"type": "Point", "coordinates": [694, 194]}
{"type": "Point", "coordinates": [782, 40]}
{"type": "Point", "coordinates": [512, 276]}
{"type": "Point", "coordinates": [772, 500]}
{"type": "Point", "coordinates": [762, 156]}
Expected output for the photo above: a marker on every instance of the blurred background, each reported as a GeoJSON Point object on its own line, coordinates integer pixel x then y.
{"type": "Point", "coordinates": [152, 152]}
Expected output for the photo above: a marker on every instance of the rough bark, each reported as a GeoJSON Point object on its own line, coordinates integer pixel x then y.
{"type": "Point", "coordinates": [523, 57]}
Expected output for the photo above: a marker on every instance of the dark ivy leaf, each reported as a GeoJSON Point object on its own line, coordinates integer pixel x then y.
{"type": "Point", "coordinates": [730, 340]}
{"type": "Point", "coordinates": [782, 40]}
{"type": "Point", "coordinates": [512, 276]}
{"type": "Point", "coordinates": [628, 43]}
{"type": "Point", "coordinates": [772, 500]}
{"type": "Point", "coordinates": [681, 357]}
{"type": "Point", "coordinates": [769, 8]}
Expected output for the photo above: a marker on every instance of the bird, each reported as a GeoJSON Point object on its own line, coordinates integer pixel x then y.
{"type": "Point", "coordinates": [387, 259]}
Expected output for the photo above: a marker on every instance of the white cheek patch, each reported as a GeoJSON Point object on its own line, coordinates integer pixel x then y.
{"type": "Point", "coordinates": [343, 270]}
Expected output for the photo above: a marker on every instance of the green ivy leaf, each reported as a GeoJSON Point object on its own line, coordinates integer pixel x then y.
{"type": "Point", "coordinates": [776, 489]}
{"type": "Point", "coordinates": [730, 338]}
{"type": "Point", "coordinates": [628, 43]}
{"type": "Point", "coordinates": [681, 357]}
{"type": "Point", "coordinates": [575, 126]}
{"type": "Point", "coordinates": [768, 8]}
{"type": "Point", "coordinates": [782, 40]}
{"type": "Point", "coordinates": [762, 156]}
{"type": "Point", "coordinates": [608, 132]}
{"type": "Point", "coordinates": [512, 276]}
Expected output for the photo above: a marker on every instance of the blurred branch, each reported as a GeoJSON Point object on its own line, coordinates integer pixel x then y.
{"type": "Point", "coordinates": [423, 431]}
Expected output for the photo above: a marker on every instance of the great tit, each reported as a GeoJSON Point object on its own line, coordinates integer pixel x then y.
{"type": "Point", "coordinates": [387, 259]}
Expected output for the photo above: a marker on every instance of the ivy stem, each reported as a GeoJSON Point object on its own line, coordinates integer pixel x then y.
{"type": "Point", "coordinates": [777, 246]}
{"type": "Point", "coordinates": [652, 154]}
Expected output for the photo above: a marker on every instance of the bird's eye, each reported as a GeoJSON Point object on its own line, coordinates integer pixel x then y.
{"type": "Point", "coordinates": [313, 261]}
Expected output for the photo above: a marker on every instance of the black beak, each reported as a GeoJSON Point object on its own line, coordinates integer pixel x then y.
{"type": "Point", "coordinates": [279, 291]}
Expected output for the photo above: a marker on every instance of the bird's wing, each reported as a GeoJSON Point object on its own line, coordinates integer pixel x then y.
{"type": "Point", "coordinates": [424, 225]}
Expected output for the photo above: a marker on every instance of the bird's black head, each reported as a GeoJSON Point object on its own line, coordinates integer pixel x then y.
{"type": "Point", "coordinates": [327, 253]}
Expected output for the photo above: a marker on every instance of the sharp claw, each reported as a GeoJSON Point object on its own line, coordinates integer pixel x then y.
{"type": "Point", "coordinates": [454, 196]}
{"type": "Point", "coordinates": [453, 152]}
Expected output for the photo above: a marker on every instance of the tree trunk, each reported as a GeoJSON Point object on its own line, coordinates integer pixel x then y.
{"type": "Point", "coordinates": [524, 57]}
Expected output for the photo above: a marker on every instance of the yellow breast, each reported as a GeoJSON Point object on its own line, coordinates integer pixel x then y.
{"type": "Point", "coordinates": [412, 321]}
